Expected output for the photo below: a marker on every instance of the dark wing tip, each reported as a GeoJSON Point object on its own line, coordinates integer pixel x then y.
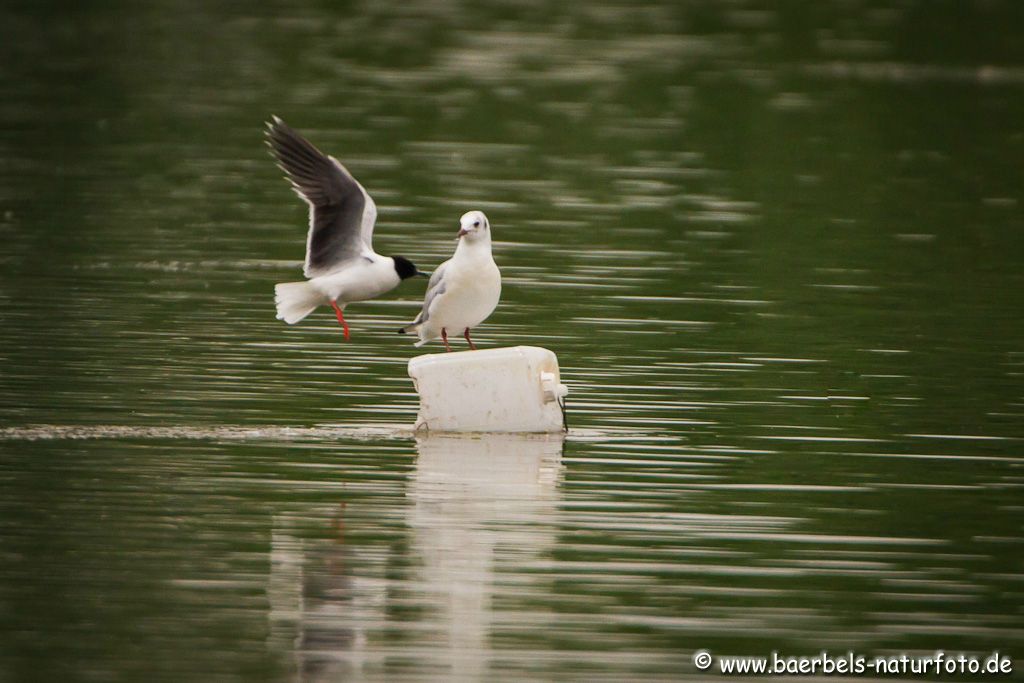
{"type": "Point", "coordinates": [290, 147]}
{"type": "Point", "coordinates": [272, 126]}
{"type": "Point", "coordinates": [313, 175]}
{"type": "Point", "coordinates": [304, 165]}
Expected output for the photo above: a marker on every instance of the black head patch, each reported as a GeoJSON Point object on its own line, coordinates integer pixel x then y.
{"type": "Point", "coordinates": [404, 267]}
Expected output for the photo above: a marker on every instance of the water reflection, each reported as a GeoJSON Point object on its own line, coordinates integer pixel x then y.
{"type": "Point", "coordinates": [315, 601]}
{"type": "Point", "coordinates": [778, 253]}
{"type": "Point", "coordinates": [474, 501]}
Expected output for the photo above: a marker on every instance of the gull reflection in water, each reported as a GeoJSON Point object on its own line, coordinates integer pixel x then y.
{"type": "Point", "coordinates": [472, 502]}
{"type": "Point", "coordinates": [319, 609]}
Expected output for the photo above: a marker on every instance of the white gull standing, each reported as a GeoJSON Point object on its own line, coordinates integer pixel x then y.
{"type": "Point", "coordinates": [341, 264]}
{"type": "Point", "coordinates": [464, 290]}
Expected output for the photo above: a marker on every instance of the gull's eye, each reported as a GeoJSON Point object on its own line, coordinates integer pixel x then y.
{"type": "Point", "coordinates": [476, 224]}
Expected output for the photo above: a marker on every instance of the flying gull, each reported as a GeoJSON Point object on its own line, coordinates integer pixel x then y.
{"type": "Point", "coordinates": [341, 265]}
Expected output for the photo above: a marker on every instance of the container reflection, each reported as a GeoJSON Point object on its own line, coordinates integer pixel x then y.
{"type": "Point", "coordinates": [475, 501]}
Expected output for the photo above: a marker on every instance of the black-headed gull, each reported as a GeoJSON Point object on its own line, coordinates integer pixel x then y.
{"type": "Point", "coordinates": [464, 290]}
{"type": "Point", "coordinates": [341, 264]}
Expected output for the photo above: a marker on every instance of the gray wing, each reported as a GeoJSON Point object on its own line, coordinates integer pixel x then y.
{"type": "Point", "coordinates": [341, 213]}
{"type": "Point", "coordinates": [435, 288]}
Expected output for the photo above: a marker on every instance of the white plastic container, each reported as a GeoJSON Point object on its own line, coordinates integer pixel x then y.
{"type": "Point", "coordinates": [512, 389]}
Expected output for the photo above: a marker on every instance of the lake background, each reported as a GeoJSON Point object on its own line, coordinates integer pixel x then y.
{"type": "Point", "coordinates": [778, 249]}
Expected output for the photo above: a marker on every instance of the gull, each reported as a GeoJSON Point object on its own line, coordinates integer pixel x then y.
{"type": "Point", "coordinates": [341, 265]}
{"type": "Point", "coordinates": [464, 290]}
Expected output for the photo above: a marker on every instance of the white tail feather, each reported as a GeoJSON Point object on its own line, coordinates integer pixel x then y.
{"type": "Point", "coordinates": [427, 333]}
{"type": "Point", "coordinates": [296, 300]}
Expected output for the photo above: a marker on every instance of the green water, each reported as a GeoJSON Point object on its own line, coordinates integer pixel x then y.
{"type": "Point", "coordinates": [778, 251]}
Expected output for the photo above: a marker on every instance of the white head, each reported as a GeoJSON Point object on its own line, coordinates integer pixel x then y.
{"type": "Point", "coordinates": [474, 226]}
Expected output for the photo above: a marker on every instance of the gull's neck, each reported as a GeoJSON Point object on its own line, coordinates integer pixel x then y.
{"type": "Point", "coordinates": [481, 246]}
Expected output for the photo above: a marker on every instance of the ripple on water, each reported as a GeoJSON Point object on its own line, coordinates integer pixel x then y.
{"type": "Point", "coordinates": [795, 408]}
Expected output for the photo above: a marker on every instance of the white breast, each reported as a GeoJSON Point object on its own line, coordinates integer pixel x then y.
{"type": "Point", "coordinates": [472, 289]}
{"type": "Point", "coordinates": [359, 281]}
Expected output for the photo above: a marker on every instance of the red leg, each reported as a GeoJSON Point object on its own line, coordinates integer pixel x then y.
{"type": "Point", "coordinates": [341, 318]}
{"type": "Point", "coordinates": [471, 344]}
{"type": "Point", "coordinates": [444, 336]}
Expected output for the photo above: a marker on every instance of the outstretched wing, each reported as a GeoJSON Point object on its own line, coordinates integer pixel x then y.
{"type": "Point", "coordinates": [341, 212]}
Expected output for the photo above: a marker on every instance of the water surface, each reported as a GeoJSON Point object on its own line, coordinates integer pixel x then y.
{"type": "Point", "coordinates": [777, 251]}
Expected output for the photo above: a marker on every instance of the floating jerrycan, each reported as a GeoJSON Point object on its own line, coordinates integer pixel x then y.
{"type": "Point", "coordinates": [512, 389]}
